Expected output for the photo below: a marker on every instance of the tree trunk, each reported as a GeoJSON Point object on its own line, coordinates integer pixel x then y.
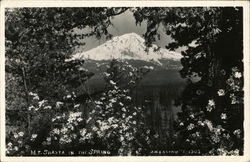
{"type": "Point", "coordinates": [27, 98]}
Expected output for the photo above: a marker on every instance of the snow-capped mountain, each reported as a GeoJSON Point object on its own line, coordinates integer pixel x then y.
{"type": "Point", "coordinates": [128, 47]}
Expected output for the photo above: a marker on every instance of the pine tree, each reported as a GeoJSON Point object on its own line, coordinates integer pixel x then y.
{"type": "Point", "coordinates": [213, 38]}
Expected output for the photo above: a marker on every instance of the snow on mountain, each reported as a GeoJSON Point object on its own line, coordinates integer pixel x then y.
{"type": "Point", "coordinates": [128, 47]}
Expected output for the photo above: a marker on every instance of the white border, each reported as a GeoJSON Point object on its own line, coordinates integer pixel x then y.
{"type": "Point", "coordinates": [54, 3]}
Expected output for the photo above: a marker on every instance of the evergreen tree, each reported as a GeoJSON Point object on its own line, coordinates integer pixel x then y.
{"type": "Point", "coordinates": [212, 113]}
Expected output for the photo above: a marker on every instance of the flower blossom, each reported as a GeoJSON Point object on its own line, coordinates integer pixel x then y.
{"type": "Point", "coordinates": [190, 126]}
{"type": "Point", "coordinates": [15, 135]}
{"type": "Point", "coordinates": [58, 104]}
{"type": "Point", "coordinates": [83, 132]}
{"type": "Point", "coordinates": [237, 75]}
{"type": "Point", "coordinates": [211, 102]}
{"type": "Point", "coordinates": [237, 132]}
{"type": "Point", "coordinates": [209, 124]}
{"type": "Point", "coordinates": [47, 107]}
{"type": "Point", "coordinates": [33, 136]}
{"type": "Point", "coordinates": [112, 82]}
{"type": "Point", "coordinates": [223, 116]}
{"type": "Point", "coordinates": [221, 92]}
{"type": "Point", "coordinates": [20, 134]}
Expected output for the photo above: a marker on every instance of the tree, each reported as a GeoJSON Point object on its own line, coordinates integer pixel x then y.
{"type": "Point", "coordinates": [214, 41]}
{"type": "Point", "coordinates": [114, 120]}
{"type": "Point", "coordinates": [38, 43]}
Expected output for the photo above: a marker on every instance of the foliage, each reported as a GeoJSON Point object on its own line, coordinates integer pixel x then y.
{"type": "Point", "coordinates": [113, 124]}
{"type": "Point", "coordinates": [213, 38]}
{"type": "Point", "coordinates": [38, 43]}
{"type": "Point", "coordinates": [43, 83]}
{"type": "Point", "coordinates": [115, 121]}
{"type": "Point", "coordinates": [39, 40]}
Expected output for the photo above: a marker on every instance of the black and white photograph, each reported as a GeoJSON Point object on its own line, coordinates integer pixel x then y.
{"type": "Point", "coordinates": [140, 81]}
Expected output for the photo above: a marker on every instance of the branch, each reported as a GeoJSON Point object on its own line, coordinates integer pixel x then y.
{"type": "Point", "coordinates": [118, 13]}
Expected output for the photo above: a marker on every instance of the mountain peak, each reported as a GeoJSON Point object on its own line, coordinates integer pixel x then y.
{"type": "Point", "coordinates": [129, 46]}
{"type": "Point", "coordinates": [130, 36]}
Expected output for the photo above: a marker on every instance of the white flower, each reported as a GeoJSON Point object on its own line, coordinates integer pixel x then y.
{"type": "Point", "coordinates": [35, 98]}
{"type": "Point", "coordinates": [64, 130]}
{"type": "Point", "coordinates": [134, 113]}
{"type": "Point", "coordinates": [88, 119]}
{"type": "Point", "coordinates": [115, 125]}
{"type": "Point", "coordinates": [156, 135]}
{"type": "Point", "coordinates": [70, 126]}
{"type": "Point", "coordinates": [123, 109]}
{"type": "Point", "coordinates": [151, 67]}
{"type": "Point", "coordinates": [110, 119]}
{"type": "Point", "coordinates": [215, 138]}
{"type": "Point", "coordinates": [31, 107]}
{"type": "Point", "coordinates": [58, 104]}
{"type": "Point", "coordinates": [211, 102]}
{"type": "Point", "coordinates": [20, 134]}
{"type": "Point", "coordinates": [75, 114]}
{"type": "Point", "coordinates": [128, 97]}
{"type": "Point", "coordinates": [209, 108]}
{"type": "Point", "coordinates": [181, 124]}
{"type": "Point", "coordinates": [209, 124]}
{"type": "Point", "coordinates": [9, 144]}
{"type": "Point", "coordinates": [95, 128]}
{"type": "Point", "coordinates": [88, 136]}
{"type": "Point", "coordinates": [237, 132]}
{"type": "Point", "coordinates": [191, 116]}
{"type": "Point", "coordinates": [200, 123]}
{"type": "Point", "coordinates": [68, 96]}
{"type": "Point", "coordinates": [198, 134]}
{"type": "Point", "coordinates": [237, 75]}
{"type": "Point", "coordinates": [121, 138]}
{"type": "Point", "coordinates": [82, 69]}
{"type": "Point", "coordinates": [227, 136]}
{"type": "Point", "coordinates": [190, 126]}
{"type": "Point", "coordinates": [16, 148]}
{"type": "Point", "coordinates": [106, 74]}
{"type": "Point", "coordinates": [47, 107]}
{"type": "Point", "coordinates": [113, 100]}
{"type": "Point", "coordinates": [223, 116]}
{"type": "Point", "coordinates": [134, 122]}
{"type": "Point", "coordinates": [77, 105]}
{"type": "Point", "coordinates": [210, 105]}
{"type": "Point", "coordinates": [121, 104]}
{"type": "Point", "coordinates": [33, 136]}
{"type": "Point", "coordinates": [79, 119]}
{"type": "Point", "coordinates": [112, 82]}
{"type": "Point", "coordinates": [40, 103]}
{"type": "Point", "coordinates": [221, 92]}
{"type": "Point", "coordinates": [100, 133]}
{"type": "Point", "coordinates": [98, 102]}
{"type": "Point", "coordinates": [83, 132]}
{"type": "Point", "coordinates": [48, 139]}
{"type": "Point", "coordinates": [236, 152]}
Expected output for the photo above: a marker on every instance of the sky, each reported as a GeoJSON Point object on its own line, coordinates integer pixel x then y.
{"type": "Point", "coordinates": [122, 24]}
